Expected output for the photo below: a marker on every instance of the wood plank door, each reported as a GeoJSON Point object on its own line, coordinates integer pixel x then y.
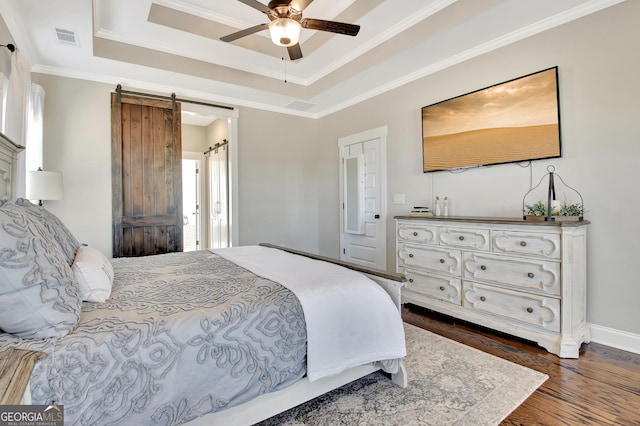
{"type": "Point", "coordinates": [146, 157]}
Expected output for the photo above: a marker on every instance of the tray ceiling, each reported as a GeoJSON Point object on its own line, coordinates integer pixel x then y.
{"type": "Point", "coordinates": [172, 46]}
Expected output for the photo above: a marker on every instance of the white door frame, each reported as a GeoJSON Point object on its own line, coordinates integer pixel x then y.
{"type": "Point", "coordinates": [202, 216]}
{"type": "Point", "coordinates": [234, 223]}
{"type": "Point", "coordinates": [381, 134]}
{"type": "Point", "coordinates": [231, 115]}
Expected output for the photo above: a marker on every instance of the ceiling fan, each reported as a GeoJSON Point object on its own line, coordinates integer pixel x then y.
{"type": "Point", "coordinates": [287, 22]}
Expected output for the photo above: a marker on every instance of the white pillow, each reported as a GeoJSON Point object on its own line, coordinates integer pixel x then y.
{"type": "Point", "coordinates": [94, 274]}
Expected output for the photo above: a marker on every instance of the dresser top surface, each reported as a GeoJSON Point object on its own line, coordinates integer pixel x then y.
{"type": "Point", "coordinates": [497, 220]}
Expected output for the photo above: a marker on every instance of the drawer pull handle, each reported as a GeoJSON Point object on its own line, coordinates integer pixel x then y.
{"type": "Point", "coordinates": [410, 254]}
{"type": "Point", "coordinates": [523, 243]}
{"type": "Point", "coordinates": [483, 299]}
{"type": "Point", "coordinates": [484, 268]}
{"type": "Point", "coordinates": [461, 238]}
{"type": "Point", "coordinates": [530, 310]}
{"type": "Point", "coordinates": [530, 275]}
{"type": "Point", "coordinates": [441, 260]}
{"type": "Point", "coordinates": [415, 234]}
{"type": "Point", "coordinates": [410, 280]}
{"type": "Point", "coordinates": [441, 288]}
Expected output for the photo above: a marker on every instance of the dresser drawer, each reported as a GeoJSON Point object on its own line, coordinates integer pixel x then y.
{"type": "Point", "coordinates": [430, 258]}
{"type": "Point", "coordinates": [477, 239]}
{"type": "Point", "coordinates": [417, 233]}
{"type": "Point", "coordinates": [527, 243]}
{"type": "Point", "coordinates": [521, 278]}
{"type": "Point", "coordinates": [539, 311]}
{"type": "Point", "coordinates": [439, 287]}
{"type": "Point", "coordinates": [532, 274]}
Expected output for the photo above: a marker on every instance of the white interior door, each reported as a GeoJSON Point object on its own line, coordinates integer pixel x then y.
{"type": "Point", "coordinates": [365, 243]}
{"type": "Point", "coordinates": [218, 198]}
{"type": "Point", "coordinates": [191, 184]}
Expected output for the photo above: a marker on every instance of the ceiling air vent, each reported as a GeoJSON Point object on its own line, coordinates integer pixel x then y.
{"type": "Point", "coordinates": [301, 106]}
{"type": "Point", "coordinates": [67, 37]}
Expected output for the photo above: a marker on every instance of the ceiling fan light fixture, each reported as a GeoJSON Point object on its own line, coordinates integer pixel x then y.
{"type": "Point", "coordinates": [285, 31]}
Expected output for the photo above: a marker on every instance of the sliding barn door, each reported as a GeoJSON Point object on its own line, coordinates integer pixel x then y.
{"type": "Point", "coordinates": [146, 156]}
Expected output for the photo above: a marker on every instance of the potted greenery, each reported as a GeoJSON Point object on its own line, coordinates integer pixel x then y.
{"type": "Point", "coordinates": [538, 211]}
{"type": "Point", "coordinates": [571, 210]}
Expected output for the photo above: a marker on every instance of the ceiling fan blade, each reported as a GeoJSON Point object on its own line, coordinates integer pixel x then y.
{"type": "Point", "coordinates": [299, 5]}
{"type": "Point", "coordinates": [295, 52]}
{"type": "Point", "coordinates": [245, 32]}
{"type": "Point", "coordinates": [256, 5]}
{"type": "Point", "coordinates": [330, 26]}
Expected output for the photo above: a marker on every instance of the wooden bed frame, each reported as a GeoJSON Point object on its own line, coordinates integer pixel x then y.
{"type": "Point", "coordinates": [270, 404]}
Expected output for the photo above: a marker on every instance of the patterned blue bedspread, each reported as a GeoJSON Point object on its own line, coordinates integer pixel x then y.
{"type": "Point", "coordinates": [182, 335]}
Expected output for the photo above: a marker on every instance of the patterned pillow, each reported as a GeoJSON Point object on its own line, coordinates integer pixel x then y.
{"type": "Point", "coordinates": [61, 234]}
{"type": "Point", "coordinates": [38, 296]}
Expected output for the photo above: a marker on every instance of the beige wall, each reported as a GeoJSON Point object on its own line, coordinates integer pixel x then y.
{"type": "Point", "coordinates": [194, 138]}
{"type": "Point", "coordinates": [217, 132]}
{"type": "Point", "coordinates": [288, 175]}
{"type": "Point", "coordinates": [5, 54]}
{"type": "Point", "coordinates": [201, 138]}
{"type": "Point", "coordinates": [77, 142]}
{"type": "Point", "coordinates": [279, 178]}
{"type": "Point", "coordinates": [600, 107]}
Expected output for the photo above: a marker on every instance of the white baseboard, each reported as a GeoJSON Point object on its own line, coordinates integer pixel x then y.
{"type": "Point", "coordinates": [619, 339]}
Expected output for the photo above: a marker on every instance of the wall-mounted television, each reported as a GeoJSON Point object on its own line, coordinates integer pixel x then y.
{"type": "Point", "coordinates": [514, 121]}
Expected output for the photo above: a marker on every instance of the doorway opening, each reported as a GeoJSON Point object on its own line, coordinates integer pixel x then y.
{"type": "Point", "coordinates": [191, 200]}
{"type": "Point", "coordinates": [210, 177]}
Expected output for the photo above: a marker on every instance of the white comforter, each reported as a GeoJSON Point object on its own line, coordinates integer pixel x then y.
{"type": "Point", "coordinates": [350, 319]}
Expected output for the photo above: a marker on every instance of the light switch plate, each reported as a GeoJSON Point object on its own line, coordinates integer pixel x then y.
{"type": "Point", "coordinates": [398, 198]}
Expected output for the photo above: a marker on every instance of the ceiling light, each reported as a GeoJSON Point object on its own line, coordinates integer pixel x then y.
{"type": "Point", "coordinates": [285, 31]}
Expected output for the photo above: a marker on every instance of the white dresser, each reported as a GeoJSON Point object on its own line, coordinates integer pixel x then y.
{"type": "Point", "coordinates": [524, 278]}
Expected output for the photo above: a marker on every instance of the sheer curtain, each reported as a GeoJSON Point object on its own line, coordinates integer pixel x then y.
{"type": "Point", "coordinates": [15, 125]}
{"type": "Point", "coordinates": [35, 128]}
{"type": "Point", "coordinates": [23, 119]}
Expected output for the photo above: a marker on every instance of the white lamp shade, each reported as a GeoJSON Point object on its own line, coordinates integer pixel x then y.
{"type": "Point", "coordinates": [42, 185]}
{"type": "Point", "coordinates": [285, 31]}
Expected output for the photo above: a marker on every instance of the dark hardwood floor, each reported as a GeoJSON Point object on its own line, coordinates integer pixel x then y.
{"type": "Point", "coordinates": [602, 387]}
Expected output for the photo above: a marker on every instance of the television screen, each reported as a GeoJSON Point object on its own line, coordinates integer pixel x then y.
{"type": "Point", "coordinates": [514, 121]}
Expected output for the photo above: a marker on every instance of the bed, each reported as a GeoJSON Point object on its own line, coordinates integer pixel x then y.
{"type": "Point", "coordinates": [230, 336]}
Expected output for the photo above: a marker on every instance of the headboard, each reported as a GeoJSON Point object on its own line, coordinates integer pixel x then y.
{"type": "Point", "coordinates": [8, 166]}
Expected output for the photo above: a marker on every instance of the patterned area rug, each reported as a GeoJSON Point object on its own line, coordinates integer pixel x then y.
{"type": "Point", "coordinates": [449, 384]}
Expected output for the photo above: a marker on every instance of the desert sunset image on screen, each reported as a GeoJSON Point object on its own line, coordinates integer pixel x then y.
{"type": "Point", "coordinates": [513, 121]}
